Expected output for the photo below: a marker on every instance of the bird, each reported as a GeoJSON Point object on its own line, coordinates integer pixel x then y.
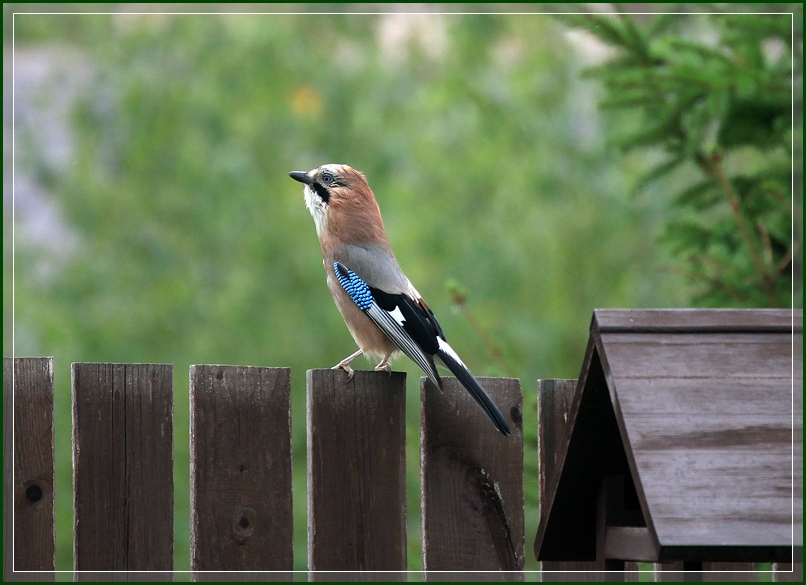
{"type": "Point", "coordinates": [384, 313]}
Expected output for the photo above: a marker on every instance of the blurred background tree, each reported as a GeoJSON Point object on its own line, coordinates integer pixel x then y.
{"type": "Point", "coordinates": [718, 109]}
{"type": "Point", "coordinates": [154, 219]}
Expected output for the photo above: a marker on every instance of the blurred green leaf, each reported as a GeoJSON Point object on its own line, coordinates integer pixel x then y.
{"type": "Point", "coordinates": [709, 100]}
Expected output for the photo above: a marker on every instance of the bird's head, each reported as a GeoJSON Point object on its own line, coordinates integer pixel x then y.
{"type": "Point", "coordinates": [341, 203]}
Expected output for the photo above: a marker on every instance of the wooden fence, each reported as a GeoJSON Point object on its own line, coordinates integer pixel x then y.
{"type": "Point", "coordinates": [472, 479]}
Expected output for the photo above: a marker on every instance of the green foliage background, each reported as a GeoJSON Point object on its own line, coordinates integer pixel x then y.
{"type": "Point", "coordinates": [718, 107]}
{"type": "Point", "coordinates": [507, 197]}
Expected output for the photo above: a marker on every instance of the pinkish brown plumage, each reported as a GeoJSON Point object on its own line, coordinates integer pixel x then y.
{"type": "Point", "coordinates": [383, 311]}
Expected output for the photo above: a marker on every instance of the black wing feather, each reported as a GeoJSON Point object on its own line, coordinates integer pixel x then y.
{"type": "Point", "coordinates": [389, 325]}
{"type": "Point", "coordinates": [478, 393]}
{"type": "Point", "coordinates": [420, 324]}
{"type": "Point", "coordinates": [418, 335]}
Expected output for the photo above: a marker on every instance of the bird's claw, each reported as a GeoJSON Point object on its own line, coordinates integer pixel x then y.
{"type": "Point", "coordinates": [345, 365]}
{"type": "Point", "coordinates": [346, 368]}
{"type": "Point", "coordinates": [384, 368]}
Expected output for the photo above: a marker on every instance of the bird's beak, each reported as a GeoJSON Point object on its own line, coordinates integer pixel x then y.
{"type": "Point", "coordinates": [300, 176]}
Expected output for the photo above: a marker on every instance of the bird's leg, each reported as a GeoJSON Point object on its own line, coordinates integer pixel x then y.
{"type": "Point", "coordinates": [384, 365]}
{"type": "Point", "coordinates": [345, 364]}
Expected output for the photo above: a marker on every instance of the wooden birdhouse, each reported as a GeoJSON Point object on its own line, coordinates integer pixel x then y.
{"type": "Point", "coordinates": [683, 441]}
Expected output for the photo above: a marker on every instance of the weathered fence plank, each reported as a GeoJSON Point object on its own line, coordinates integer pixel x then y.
{"type": "Point", "coordinates": [472, 477]}
{"type": "Point", "coordinates": [123, 471]}
{"type": "Point", "coordinates": [356, 475]}
{"type": "Point", "coordinates": [554, 398]}
{"type": "Point", "coordinates": [472, 484]}
{"type": "Point", "coordinates": [787, 572]}
{"type": "Point", "coordinates": [240, 473]}
{"type": "Point", "coordinates": [28, 497]}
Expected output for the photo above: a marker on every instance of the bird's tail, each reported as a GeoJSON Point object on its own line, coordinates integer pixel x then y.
{"type": "Point", "coordinates": [458, 369]}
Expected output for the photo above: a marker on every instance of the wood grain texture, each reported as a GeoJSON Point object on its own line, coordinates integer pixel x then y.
{"type": "Point", "coordinates": [123, 471]}
{"type": "Point", "coordinates": [716, 397]}
{"type": "Point", "coordinates": [472, 483]}
{"type": "Point", "coordinates": [356, 475]}
{"type": "Point", "coordinates": [797, 448]}
{"type": "Point", "coordinates": [705, 415]}
{"type": "Point", "coordinates": [698, 412]}
{"type": "Point", "coordinates": [240, 473]}
{"type": "Point", "coordinates": [28, 477]}
{"type": "Point", "coordinates": [554, 399]}
{"type": "Point", "coordinates": [697, 320]}
{"type": "Point", "coordinates": [681, 356]}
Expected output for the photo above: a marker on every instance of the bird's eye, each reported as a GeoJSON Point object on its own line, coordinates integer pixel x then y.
{"type": "Point", "coordinates": [327, 178]}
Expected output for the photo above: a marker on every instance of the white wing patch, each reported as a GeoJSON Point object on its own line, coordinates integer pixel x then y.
{"type": "Point", "coordinates": [443, 345]}
{"type": "Point", "coordinates": [398, 316]}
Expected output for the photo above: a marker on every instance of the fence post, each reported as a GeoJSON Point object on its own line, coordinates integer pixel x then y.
{"type": "Point", "coordinates": [472, 484]}
{"type": "Point", "coordinates": [554, 398]}
{"type": "Point", "coordinates": [240, 473]}
{"type": "Point", "coordinates": [788, 572]}
{"type": "Point", "coordinates": [123, 471]}
{"type": "Point", "coordinates": [356, 475]}
{"type": "Point", "coordinates": [28, 488]}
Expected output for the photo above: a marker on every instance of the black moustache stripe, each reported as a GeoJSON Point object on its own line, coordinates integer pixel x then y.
{"type": "Point", "coordinates": [322, 192]}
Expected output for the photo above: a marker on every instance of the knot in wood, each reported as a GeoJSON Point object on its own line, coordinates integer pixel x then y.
{"type": "Point", "coordinates": [33, 493]}
{"type": "Point", "coordinates": [243, 523]}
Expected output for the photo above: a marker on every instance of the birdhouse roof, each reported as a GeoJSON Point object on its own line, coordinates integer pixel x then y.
{"type": "Point", "coordinates": [699, 413]}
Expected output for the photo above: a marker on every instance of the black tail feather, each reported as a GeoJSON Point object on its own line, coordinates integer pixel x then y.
{"type": "Point", "coordinates": [476, 391]}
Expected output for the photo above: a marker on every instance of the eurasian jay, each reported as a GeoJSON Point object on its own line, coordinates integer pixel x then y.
{"type": "Point", "coordinates": [383, 311]}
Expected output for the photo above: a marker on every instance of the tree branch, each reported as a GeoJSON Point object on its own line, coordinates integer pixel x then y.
{"type": "Point", "coordinates": [459, 299]}
{"type": "Point", "coordinates": [713, 165]}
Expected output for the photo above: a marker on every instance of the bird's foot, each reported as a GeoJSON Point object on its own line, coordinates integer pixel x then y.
{"type": "Point", "coordinates": [345, 365]}
{"type": "Point", "coordinates": [384, 368]}
{"type": "Point", "coordinates": [346, 368]}
{"type": "Point", "coordinates": [384, 365]}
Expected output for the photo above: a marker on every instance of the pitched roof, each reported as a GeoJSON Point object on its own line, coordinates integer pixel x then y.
{"type": "Point", "coordinates": [696, 411]}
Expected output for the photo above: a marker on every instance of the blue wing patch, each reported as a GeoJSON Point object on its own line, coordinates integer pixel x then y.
{"type": "Point", "coordinates": [354, 286]}
{"type": "Point", "coordinates": [391, 321]}
{"type": "Point", "coordinates": [413, 328]}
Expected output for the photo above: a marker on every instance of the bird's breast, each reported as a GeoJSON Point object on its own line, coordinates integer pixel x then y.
{"type": "Point", "coordinates": [366, 334]}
